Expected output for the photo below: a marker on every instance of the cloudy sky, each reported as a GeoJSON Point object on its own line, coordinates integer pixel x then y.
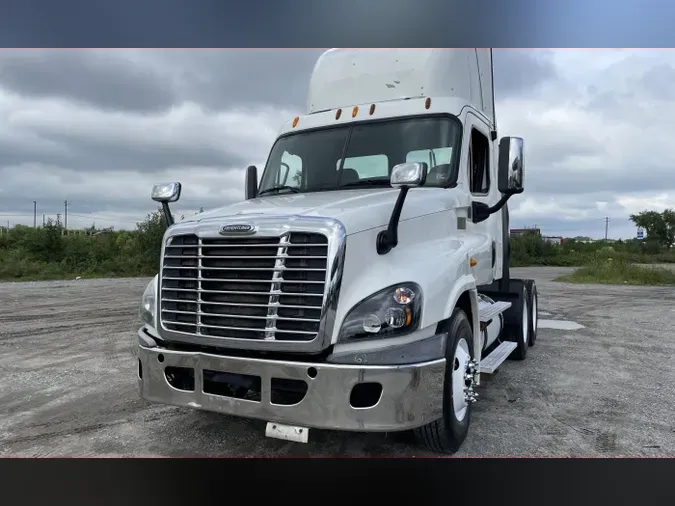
{"type": "Point", "coordinates": [98, 128]}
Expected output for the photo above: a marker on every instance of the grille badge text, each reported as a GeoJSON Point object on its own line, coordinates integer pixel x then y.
{"type": "Point", "coordinates": [237, 228]}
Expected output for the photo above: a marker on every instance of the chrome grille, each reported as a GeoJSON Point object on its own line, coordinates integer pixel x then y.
{"type": "Point", "coordinates": [259, 288]}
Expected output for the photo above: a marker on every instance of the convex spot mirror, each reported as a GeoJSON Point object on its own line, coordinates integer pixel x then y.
{"type": "Point", "coordinates": [166, 192]}
{"type": "Point", "coordinates": [408, 174]}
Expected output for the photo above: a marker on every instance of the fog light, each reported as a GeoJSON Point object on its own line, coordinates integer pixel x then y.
{"type": "Point", "coordinates": [372, 324]}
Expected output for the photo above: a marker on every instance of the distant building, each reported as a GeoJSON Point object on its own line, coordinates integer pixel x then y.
{"type": "Point", "coordinates": [552, 239]}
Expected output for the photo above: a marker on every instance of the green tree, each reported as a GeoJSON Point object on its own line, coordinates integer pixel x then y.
{"type": "Point", "coordinates": [660, 227]}
{"type": "Point", "coordinates": [149, 240]}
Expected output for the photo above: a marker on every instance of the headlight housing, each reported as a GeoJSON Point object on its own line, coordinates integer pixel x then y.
{"type": "Point", "coordinates": [147, 310]}
{"type": "Point", "coordinates": [391, 312]}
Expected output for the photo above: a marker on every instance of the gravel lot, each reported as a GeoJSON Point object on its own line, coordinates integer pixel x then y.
{"type": "Point", "coordinates": [67, 382]}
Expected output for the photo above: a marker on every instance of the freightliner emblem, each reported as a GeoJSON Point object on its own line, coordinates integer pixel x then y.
{"type": "Point", "coordinates": [237, 228]}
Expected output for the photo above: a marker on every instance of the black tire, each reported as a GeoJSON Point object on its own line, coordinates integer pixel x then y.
{"type": "Point", "coordinates": [518, 331]}
{"type": "Point", "coordinates": [533, 302]}
{"type": "Point", "coordinates": [447, 434]}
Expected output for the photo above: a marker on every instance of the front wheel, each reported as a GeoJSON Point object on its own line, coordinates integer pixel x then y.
{"type": "Point", "coordinates": [447, 434]}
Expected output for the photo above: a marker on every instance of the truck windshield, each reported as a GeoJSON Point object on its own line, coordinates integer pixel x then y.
{"type": "Point", "coordinates": [360, 155]}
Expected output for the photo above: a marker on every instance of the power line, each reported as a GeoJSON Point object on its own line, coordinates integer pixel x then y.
{"type": "Point", "coordinates": [104, 219]}
{"type": "Point", "coordinates": [19, 215]}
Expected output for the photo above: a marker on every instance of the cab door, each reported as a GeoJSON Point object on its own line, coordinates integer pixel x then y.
{"type": "Point", "coordinates": [481, 180]}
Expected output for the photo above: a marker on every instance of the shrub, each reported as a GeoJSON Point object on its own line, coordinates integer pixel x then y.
{"type": "Point", "coordinates": [28, 253]}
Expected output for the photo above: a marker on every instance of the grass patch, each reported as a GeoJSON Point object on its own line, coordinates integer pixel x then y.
{"type": "Point", "coordinates": [620, 272]}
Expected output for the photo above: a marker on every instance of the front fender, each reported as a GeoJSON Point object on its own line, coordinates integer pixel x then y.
{"type": "Point", "coordinates": [430, 253]}
{"type": "Point", "coordinates": [466, 283]}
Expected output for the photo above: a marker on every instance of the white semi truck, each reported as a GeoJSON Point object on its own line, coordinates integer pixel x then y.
{"type": "Point", "coordinates": [363, 284]}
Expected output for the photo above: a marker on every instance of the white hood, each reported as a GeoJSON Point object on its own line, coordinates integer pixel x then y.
{"type": "Point", "coordinates": [357, 210]}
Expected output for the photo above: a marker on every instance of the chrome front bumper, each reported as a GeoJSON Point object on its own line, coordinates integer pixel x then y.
{"type": "Point", "coordinates": [412, 395]}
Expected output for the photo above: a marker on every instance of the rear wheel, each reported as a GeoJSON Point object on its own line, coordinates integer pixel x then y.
{"type": "Point", "coordinates": [533, 299]}
{"type": "Point", "coordinates": [519, 331]}
{"type": "Point", "coordinates": [447, 434]}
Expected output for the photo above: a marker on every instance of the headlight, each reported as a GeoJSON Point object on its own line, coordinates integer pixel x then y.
{"type": "Point", "coordinates": [148, 304]}
{"type": "Point", "coordinates": [390, 312]}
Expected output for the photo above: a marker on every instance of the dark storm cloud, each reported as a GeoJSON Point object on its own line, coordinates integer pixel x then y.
{"type": "Point", "coordinates": [91, 155]}
{"type": "Point", "coordinates": [106, 80]}
{"type": "Point", "coordinates": [153, 81]}
{"type": "Point", "coordinates": [220, 79]}
{"type": "Point", "coordinates": [516, 71]}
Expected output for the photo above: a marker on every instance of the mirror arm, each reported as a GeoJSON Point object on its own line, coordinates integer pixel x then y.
{"type": "Point", "coordinates": [481, 212]}
{"type": "Point", "coordinates": [388, 239]}
{"type": "Point", "coordinates": [168, 217]}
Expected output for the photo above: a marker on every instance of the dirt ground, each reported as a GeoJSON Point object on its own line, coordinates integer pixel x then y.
{"type": "Point", "coordinates": [68, 387]}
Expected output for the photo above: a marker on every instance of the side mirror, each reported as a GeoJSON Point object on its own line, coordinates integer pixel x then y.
{"type": "Point", "coordinates": [408, 174]}
{"type": "Point", "coordinates": [166, 192]}
{"type": "Point", "coordinates": [510, 165]}
{"type": "Point", "coordinates": [251, 187]}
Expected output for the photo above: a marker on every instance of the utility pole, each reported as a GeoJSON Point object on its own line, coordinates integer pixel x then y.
{"type": "Point", "coordinates": [43, 220]}
{"type": "Point", "coordinates": [65, 219]}
{"type": "Point", "coordinates": [606, 226]}
{"type": "Point", "coordinates": [35, 214]}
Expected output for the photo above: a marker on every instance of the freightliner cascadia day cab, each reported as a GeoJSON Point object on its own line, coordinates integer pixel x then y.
{"type": "Point", "coordinates": [363, 284]}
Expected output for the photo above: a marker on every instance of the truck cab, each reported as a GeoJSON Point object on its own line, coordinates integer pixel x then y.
{"type": "Point", "coordinates": [363, 282]}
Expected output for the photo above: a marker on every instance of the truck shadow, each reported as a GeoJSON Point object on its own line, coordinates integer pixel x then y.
{"type": "Point", "coordinates": [224, 435]}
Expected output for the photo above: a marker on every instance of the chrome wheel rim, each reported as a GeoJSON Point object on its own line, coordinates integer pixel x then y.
{"type": "Point", "coordinates": [535, 315]}
{"type": "Point", "coordinates": [460, 366]}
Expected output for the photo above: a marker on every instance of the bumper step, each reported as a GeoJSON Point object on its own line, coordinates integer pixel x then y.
{"type": "Point", "coordinates": [490, 363]}
{"type": "Point", "coordinates": [487, 313]}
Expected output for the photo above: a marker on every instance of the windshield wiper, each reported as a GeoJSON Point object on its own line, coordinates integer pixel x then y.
{"type": "Point", "coordinates": [376, 181]}
{"type": "Point", "coordinates": [277, 189]}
